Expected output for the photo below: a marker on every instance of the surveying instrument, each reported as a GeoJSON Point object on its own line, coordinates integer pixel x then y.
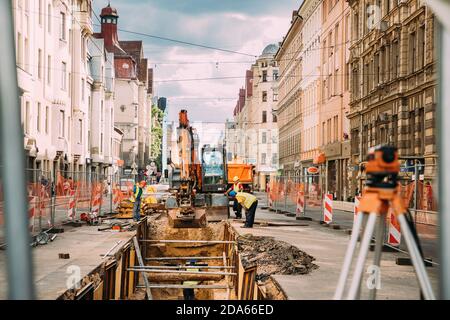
{"type": "Point", "coordinates": [381, 195]}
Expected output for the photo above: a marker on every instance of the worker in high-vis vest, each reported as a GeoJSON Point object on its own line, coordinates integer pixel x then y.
{"type": "Point", "coordinates": [235, 188]}
{"type": "Point", "coordinates": [250, 203]}
{"type": "Point", "coordinates": [138, 190]}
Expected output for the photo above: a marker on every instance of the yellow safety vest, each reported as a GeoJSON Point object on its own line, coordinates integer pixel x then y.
{"type": "Point", "coordinates": [136, 193]}
{"type": "Point", "coordinates": [246, 199]}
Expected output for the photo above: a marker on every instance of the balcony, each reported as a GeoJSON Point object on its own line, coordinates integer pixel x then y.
{"type": "Point", "coordinates": [84, 17]}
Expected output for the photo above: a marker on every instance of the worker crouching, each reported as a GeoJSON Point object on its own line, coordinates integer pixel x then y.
{"type": "Point", "coordinates": [237, 187]}
{"type": "Point", "coordinates": [250, 203]}
{"type": "Point", "coordinates": [138, 189]}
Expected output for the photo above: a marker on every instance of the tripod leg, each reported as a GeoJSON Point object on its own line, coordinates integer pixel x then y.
{"type": "Point", "coordinates": [416, 259]}
{"type": "Point", "coordinates": [349, 257]}
{"type": "Point", "coordinates": [379, 236]}
{"type": "Point", "coordinates": [359, 268]}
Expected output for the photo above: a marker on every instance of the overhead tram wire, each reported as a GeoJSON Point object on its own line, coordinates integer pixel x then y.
{"type": "Point", "coordinates": [178, 41]}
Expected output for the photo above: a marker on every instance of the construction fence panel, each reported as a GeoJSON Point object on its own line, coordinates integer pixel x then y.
{"type": "Point", "coordinates": [286, 194]}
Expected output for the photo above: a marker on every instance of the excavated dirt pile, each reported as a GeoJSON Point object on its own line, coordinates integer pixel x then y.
{"type": "Point", "coordinates": [273, 257]}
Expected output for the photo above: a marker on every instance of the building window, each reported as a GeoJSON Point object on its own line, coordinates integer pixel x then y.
{"type": "Point", "coordinates": [49, 18]}
{"type": "Point", "coordinates": [274, 159]}
{"type": "Point", "coordinates": [63, 76]}
{"type": "Point", "coordinates": [275, 75]}
{"type": "Point", "coordinates": [27, 117]}
{"type": "Point", "coordinates": [274, 118]}
{"type": "Point", "coordinates": [264, 76]}
{"type": "Point", "coordinates": [40, 12]}
{"type": "Point", "coordinates": [39, 64]}
{"type": "Point", "coordinates": [377, 68]}
{"type": "Point", "coordinates": [46, 119]}
{"type": "Point", "coordinates": [61, 120]}
{"type": "Point", "coordinates": [275, 97]}
{"type": "Point", "coordinates": [264, 138]}
{"type": "Point", "coordinates": [49, 70]}
{"type": "Point", "coordinates": [263, 158]}
{"type": "Point", "coordinates": [27, 55]}
{"type": "Point", "coordinates": [101, 142]}
{"type": "Point", "coordinates": [421, 39]}
{"type": "Point", "coordinates": [264, 96]}
{"type": "Point", "coordinates": [347, 77]}
{"type": "Point", "coordinates": [82, 88]}
{"type": "Point", "coordinates": [264, 116]}
{"type": "Point", "coordinates": [19, 50]}
{"type": "Point", "coordinates": [412, 52]}
{"type": "Point", "coordinates": [80, 131]}
{"type": "Point", "coordinates": [395, 60]}
{"type": "Point", "coordinates": [62, 31]}
{"type": "Point", "coordinates": [336, 128]}
{"type": "Point", "coordinates": [38, 120]}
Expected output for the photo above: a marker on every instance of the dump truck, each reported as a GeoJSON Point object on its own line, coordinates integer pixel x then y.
{"type": "Point", "coordinates": [244, 172]}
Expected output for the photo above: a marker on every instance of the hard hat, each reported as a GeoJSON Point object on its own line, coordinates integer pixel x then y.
{"type": "Point", "coordinates": [232, 193]}
{"type": "Point", "coordinates": [236, 179]}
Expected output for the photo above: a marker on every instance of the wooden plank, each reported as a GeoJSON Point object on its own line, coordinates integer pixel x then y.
{"type": "Point", "coordinates": [118, 284]}
{"type": "Point", "coordinates": [98, 292]}
{"type": "Point", "coordinates": [141, 263]}
{"type": "Point", "coordinates": [131, 274]}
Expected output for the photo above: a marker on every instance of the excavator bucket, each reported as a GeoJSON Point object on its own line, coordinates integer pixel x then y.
{"type": "Point", "coordinates": [195, 219]}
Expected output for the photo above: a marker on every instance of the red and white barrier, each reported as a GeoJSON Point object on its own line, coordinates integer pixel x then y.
{"type": "Point", "coordinates": [356, 208]}
{"type": "Point", "coordinates": [31, 212]}
{"type": "Point", "coordinates": [72, 203]}
{"type": "Point", "coordinates": [96, 201]}
{"type": "Point", "coordinates": [300, 204]}
{"type": "Point", "coordinates": [394, 235]}
{"type": "Point", "coordinates": [328, 208]}
{"type": "Point", "coordinates": [117, 195]}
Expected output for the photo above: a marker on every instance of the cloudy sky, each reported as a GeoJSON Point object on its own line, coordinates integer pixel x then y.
{"type": "Point", "coordinates": [245, 26]}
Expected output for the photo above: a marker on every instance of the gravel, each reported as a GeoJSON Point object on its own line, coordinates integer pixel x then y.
{"type": "Point", "coordinates": [273, 257]}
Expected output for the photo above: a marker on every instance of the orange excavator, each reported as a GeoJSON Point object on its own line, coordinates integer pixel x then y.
{"type": "Point", "coordinates": [197, 184]}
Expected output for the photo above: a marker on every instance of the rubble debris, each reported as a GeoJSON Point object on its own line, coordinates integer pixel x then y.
{"type": "Point", "coordinates": [149, 206]}
{"type": "Point", "coordinates": [273, 257]}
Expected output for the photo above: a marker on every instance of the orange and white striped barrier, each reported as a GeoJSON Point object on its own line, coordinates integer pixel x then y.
{"type": "Point", "coordinates": [117, 194]}
{"type": "Point", "coordinates": [71, 208]}
{"type": "Point", "coordinates": [394, 235]}
{"type": "Point", "coordinates": [300, 204]}
{"type": "Point", "coordinates": [96, 201]}
{"type": "Point", "coordinates": [31, 212]}
{"type": "Point", "coordinates": [356, 208]}
{"type": "Point", "coordinates": [328, 208]}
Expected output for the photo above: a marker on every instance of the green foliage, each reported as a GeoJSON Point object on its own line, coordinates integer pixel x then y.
{"type": "Point", "coordinates": [157, 133]}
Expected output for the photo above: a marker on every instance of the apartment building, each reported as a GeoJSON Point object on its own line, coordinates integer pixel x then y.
{"type": "Point", "coordinates": [133, 92]}
{"type": "Point", "coordinates": [255, 120]}
{"type": "Point", "coordinates": [393, 80]}
{"type": "Point", "coordinates": [52, 58]}
{"type": "Point", "coordinates": [334, 126]}
{"type": "Point", "coordinates": [287, 110]}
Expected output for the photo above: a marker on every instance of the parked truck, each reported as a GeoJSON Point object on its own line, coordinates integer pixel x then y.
{"type": "Point", "coordinates": [244, 172]}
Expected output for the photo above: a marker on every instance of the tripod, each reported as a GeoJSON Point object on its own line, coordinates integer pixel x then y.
{"type": "Point", "coordinates": [375, 203]}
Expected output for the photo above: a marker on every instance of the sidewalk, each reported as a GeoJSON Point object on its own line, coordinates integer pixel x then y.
{"type": "Point", "coordinates": [427, 234]}
{"type": "Point", "coordinates": [85, 246]}
{"type": "Point", "coordinates": [328, 247]}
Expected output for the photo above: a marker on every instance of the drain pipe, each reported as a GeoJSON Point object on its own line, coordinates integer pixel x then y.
{"type": "Point", "coordinates": [18, 255]}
